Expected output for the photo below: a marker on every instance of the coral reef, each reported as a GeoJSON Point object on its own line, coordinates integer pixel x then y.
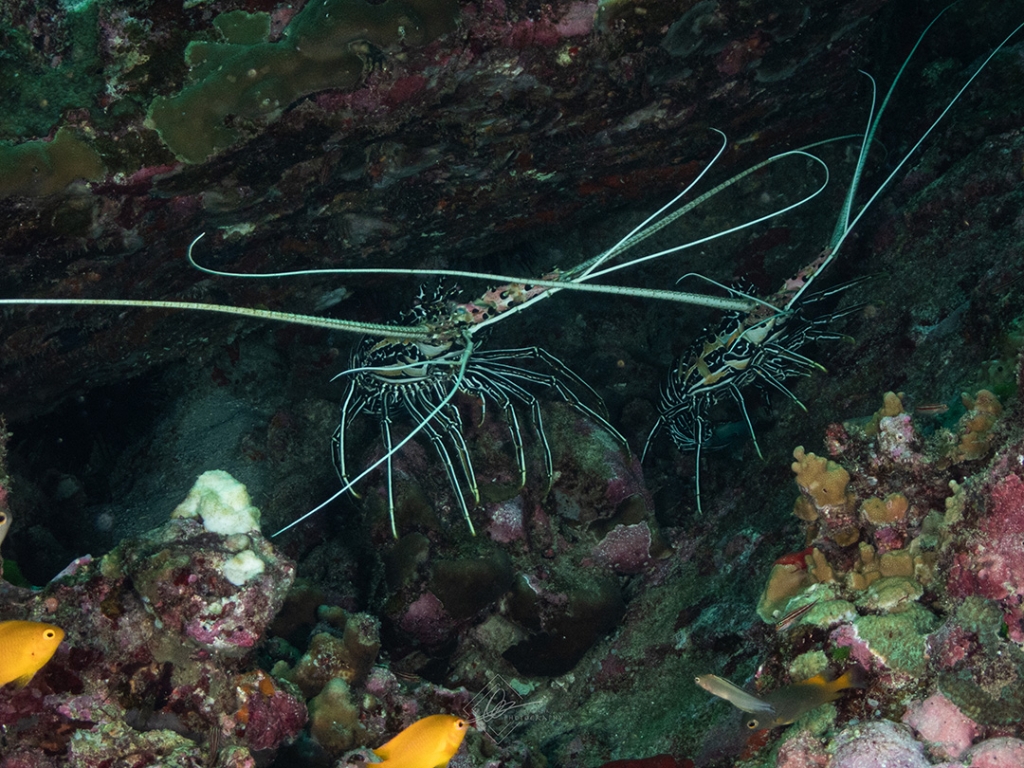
{"type": "Point", "coordinates": [928, 601]}
{"type": "Point", "coordinates": [159, 654]}
{"type": "Point", "coordinates": [571, 627]}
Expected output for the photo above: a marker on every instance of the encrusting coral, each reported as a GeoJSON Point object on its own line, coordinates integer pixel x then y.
{"type": "Point", "coordinates": [39, 168]}
{"type": "Point", "coordinates": [255, 80]}
{"type": "Point", "coordinates": [929, 602]}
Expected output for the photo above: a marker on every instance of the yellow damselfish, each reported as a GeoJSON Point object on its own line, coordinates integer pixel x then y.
{"type": "Point", "coordinates": [427, 743]}
{"type": "Point", "coordinates": [5, 524]}
{"type": "Point", "coordinates": [25, 647]}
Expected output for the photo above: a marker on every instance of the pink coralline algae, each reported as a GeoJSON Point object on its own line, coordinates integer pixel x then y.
{"type": "Point", "coordinates": [940, 723]}
{"type": "Point", "coordinates": [802, 751]}
{"type": "Point", "coordinates": [1002, 752]}
{"type": "Point", "coordinates": [897, 438]}
{"type": "Point", "coordinates": [578, 20]}
{"type": "Point", "coordinates": [626, 548]}
{"type": "Point", "coordinates": [427, 620]}
{"type": "Point", "coordinates": [845, 636]}
{"type": "Point", "coordinates": [266, 714]}
{"type": "Point", "coordinates": [878, 745]}
{"type": "Point", "coordinates": [506, 523]}
{"type": "Point", "coordinates": [992, 565]}
{"type": "Point", "coordinates": [179, 571]}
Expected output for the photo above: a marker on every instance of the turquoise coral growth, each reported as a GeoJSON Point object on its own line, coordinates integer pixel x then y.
{"type": "Point", "coordinates": [255, 81]}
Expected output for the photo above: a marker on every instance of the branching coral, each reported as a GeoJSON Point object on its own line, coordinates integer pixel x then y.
{"type": "Point", "coordinates": [983, 411]}
{"type": "Point", "coordinates": [824, 485]}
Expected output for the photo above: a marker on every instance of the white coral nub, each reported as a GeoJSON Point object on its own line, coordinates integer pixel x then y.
{"type": "Point", "coordinates": [221, 503]}
{"type": "Point", "coordinates": [243, 567]}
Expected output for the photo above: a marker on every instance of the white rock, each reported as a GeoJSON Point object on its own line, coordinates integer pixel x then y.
{"type": "Point", "coordinates": [243, 567]}
{"type": "Point", "coordinates": [221, 503]}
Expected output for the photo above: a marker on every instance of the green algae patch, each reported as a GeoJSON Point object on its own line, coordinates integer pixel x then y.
{"type": "Point", "coordinates": [38, 168]}
{"type": "Point", "coordinates": [828, 613]}
{"type": "Point", "coordinates": [251, 83]}
{"type": "Point", "coordinates": [893, 594]}
{"type": "Point", "coordinates": [899, 638]}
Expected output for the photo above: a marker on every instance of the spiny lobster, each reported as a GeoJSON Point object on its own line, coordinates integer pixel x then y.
{"type": "Point", "coordinates": [417, 367]}
{"type": "Point", "coordinates": [760, 348]}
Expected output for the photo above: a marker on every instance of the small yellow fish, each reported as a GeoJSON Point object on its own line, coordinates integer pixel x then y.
{"type": "Point", "coordinates": [5, 525]}
{"type": "Point", "coordinates": [25, 647]}
{"type": "Point", "coordinates": [427, 743]}
{"type": "Point", "coordinates": [785, 705]}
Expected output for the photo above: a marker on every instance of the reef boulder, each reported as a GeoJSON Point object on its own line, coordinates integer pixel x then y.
{"type": "Point", "coordinates": [158, 654]}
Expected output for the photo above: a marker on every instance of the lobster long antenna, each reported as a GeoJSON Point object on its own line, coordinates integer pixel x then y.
{"type": "Point", "coordinates": [641, 230]}
{"type": "Point", "coordinates": [710, 193]}
{"type": "Point", "coordinates": [418, 332]}
{"type": "Point", "coordinates": [844, 226]}
{"type": "Point", "coordinates": [714, 302]}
